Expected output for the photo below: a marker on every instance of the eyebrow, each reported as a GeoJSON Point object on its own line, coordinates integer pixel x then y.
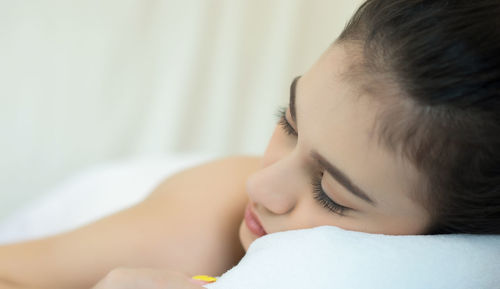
{"type": "Point", "coordinates": [293, 89]}
{"type": "Point", "coordinates": [335, 172]}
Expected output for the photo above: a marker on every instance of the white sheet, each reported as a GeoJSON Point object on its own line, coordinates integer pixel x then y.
{"type": "Point", "coordinates": [92, 194]}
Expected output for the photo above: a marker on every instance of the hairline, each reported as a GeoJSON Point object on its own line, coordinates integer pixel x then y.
{"type": "Point", "coordinates": [373, 80]}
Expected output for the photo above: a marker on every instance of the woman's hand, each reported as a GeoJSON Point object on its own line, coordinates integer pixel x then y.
{"type": "Point", "coordinates": [125, 278]}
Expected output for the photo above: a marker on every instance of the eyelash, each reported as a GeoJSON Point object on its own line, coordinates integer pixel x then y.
{"type": "Point", "coordinates": [318, 192]}
{"type": "Point", "coordinates": [285, 125]}
{"type": "Point", "coordinates": [323, 199]}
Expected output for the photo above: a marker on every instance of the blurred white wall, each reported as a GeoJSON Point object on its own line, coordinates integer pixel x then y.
{"type": "Point", "coordinates": [89, 81]}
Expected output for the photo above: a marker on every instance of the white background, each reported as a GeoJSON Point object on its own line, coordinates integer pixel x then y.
{"type": "Point", "coordinates": [84, 82]}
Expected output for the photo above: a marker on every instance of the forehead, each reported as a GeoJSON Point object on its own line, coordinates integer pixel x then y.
{"type": "Point", "coordinates": [337, 120]}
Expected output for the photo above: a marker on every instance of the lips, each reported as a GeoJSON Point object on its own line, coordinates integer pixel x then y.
{"type": "Point", "coordinates": [253, 223]}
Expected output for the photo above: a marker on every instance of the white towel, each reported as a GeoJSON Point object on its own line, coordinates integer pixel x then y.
{"type": "Point", "coordinates": [329, 257]}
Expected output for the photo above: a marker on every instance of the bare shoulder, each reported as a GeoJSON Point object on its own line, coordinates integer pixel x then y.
{"type": "Point", "coordinates": [228, 174]}
{"type": "Point", "coordinates": [199, 211]}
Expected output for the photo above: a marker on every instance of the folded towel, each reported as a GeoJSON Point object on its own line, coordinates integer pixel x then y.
{"type": "Point", "coordinates": [329, 257]}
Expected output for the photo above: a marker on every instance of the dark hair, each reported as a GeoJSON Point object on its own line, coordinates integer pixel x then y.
{"type": "Point", "coordinates": [444, 57]}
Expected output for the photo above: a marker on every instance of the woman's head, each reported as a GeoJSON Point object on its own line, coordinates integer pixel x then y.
{"type": "Point", "coordinates": [404, 105]}
{"type": "Point", "coordinates": [444, 58]}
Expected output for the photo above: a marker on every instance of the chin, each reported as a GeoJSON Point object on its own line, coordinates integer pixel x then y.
{"type": "Point", "coordinates": [246, 237]}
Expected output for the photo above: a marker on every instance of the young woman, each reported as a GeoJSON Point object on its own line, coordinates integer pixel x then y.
{"type": "Point", "coordinates": [394, 130]}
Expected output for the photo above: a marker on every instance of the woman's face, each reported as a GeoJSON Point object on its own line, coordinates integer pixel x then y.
{"type": "Point", "coordinates": [328, 167]}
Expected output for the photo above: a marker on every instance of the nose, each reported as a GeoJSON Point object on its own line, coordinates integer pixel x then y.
{"type": "Point", "coordinates": [277, 186]}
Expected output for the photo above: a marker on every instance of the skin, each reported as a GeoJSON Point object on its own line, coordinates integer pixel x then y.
{"type": "Point", "coordinates": [192, 223]}
{"type": "Point", "coordinates": [336, 120]}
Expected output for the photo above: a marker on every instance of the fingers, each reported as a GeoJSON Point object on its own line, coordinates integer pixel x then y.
{"type": "Point", "coordinates": [127, 278]}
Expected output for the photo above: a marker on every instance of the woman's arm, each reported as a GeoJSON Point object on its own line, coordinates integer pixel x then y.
{"type": "Point", "coordinates": [188, 224]}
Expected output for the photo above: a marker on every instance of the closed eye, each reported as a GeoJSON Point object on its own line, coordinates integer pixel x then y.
{"type": "Point", "coordinates": [283, 122]}
{"type": "Point", "coordinates": [321, 196]}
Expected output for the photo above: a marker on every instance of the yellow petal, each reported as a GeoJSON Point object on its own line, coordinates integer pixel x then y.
{"type": "Point", "coordinates": [205, 278]}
